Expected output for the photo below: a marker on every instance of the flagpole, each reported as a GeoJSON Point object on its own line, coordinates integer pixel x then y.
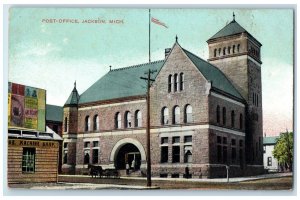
{"type": "Point", "coordinates": [149, 34]}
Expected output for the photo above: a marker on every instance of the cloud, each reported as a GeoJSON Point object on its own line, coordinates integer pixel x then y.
{"type": "Point", "coordinates": [277, 89]}
{"type": "Point", "coordinates": [37, 50]}
{"type": "Point", "coordinates": [66, 41]}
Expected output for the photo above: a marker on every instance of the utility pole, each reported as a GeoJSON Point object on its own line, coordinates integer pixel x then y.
{"type": "Point", "coordinates": [148, 79]}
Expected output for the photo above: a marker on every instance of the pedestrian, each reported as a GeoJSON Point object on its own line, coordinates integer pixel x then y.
{"type": "Point", "coordinates": [127, 168]}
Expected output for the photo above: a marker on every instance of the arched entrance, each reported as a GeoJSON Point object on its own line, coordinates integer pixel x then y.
{"type": "Point", "coordinates": [129, 151]}
{"type": "Point", "coordinates": [128, 154]}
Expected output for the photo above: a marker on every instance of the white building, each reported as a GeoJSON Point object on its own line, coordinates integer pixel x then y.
{"type": "Point", "coordinates": [270, 163]}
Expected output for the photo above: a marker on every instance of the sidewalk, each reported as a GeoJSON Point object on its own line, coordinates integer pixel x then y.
{"type": "Point", "coordinates": [90, 186]}
{"type": "Point", "coordinates": [216, 180]}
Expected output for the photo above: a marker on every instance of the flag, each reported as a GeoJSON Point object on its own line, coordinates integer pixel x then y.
{"type": "Point", "coordinates": [156, 21]}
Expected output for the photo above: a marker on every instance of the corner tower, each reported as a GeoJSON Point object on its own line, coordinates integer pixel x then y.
{"type": "Point", "coordinates": [70, 125]}
{"type": "Point", "coordinates": [237, 54]}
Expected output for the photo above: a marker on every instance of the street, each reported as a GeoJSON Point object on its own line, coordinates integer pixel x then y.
{"type": "Point", "coordinates": [265, 182]}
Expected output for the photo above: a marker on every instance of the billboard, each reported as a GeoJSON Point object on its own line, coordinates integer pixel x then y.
{"type": "Point", "coordinates": [26, 107]}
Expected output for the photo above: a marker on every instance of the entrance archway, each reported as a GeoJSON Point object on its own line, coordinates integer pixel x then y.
{"type": "Point", "coordinates": [128, 151]}
{"type": "Point", "coordinates": [130, 155]}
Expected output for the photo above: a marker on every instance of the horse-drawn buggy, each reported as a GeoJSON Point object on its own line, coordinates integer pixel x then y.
{"type": "Point", "coordinates": [98, 171]}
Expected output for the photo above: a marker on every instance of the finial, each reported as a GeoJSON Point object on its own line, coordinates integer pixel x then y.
{"type": "Point", "coordinates": [109, 67]}
{"type": "Point", "coordinates": [176, 38]}
{"type": "Point", "coordinates": [75, 84]}
{"type": "Point", "coordinates": [233, 16]}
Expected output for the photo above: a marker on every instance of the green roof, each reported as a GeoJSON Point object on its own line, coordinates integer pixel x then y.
{"type": "Point", "coordinates": [230, 29]}
{"type": "Point", "coordinates": [122, 82]}
{"type": "Point", "coordinates": [73, 98]}
{"type": "Point", "coordinates": [54, 113]}
{"type": "Point", "coordinates": [270, 140]}
{"type": "Point", "coordinates": [213, 74]}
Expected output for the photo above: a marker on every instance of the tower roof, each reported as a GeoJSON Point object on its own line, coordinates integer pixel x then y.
{"type": "Point", "coordinates": [232, 28]}
{"type": "Point", "coordinates": [73, 98]}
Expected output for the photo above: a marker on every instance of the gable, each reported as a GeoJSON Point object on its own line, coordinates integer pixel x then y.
{"type": "Point", "coordinates": [213, 74]}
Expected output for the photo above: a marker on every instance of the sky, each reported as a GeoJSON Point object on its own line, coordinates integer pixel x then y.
{"type": "Point", "coordinates": [53, 55]}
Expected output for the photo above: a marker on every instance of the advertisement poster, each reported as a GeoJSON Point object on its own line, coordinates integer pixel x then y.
{"type": "Point", "coordinates": [26, 107]}
{"type": "Point", "coordinates": [17, 110]}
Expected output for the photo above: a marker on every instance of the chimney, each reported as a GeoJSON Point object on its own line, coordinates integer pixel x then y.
{"type": "Point", "coordinates": [167, 52]}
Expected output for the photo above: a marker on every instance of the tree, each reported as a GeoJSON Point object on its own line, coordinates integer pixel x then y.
{"type": "Point", "coordinates": [283, 150]}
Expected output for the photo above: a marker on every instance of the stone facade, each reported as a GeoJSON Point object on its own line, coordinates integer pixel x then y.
{"type": "Point", "coordinates": [243, 69]}
{"type": "Point", "coordinates": [194, 127]}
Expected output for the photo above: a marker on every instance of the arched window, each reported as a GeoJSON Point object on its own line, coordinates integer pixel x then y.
{"type": "Point", "coordinates": [224, 116]}
{"type": "Point", "coordinates": [170, 83]}
{"type": "Point", "coordinates": [87, 123]}
{"type": "Point", "coordinates": [232, 118]}
{"type": "Point", "coordinates": [218, 114]}
{"type": "Point", "coordinates": [181, 82]}
{"type": "Point", "coordinates": [118, 120]}
{"type": "Point", "coordinates": [165, 115]}
{"type": "Point", "coordinates": [241, 121]}
{"type": "Point", "coordinates": [138, 118]}
{"type": "Point", "coordinates": [127, 122]}
{"type": "Point", "coordinates": [228, 49]}
{"type": "Point", "coordinates": [188, 114]}
{"type": "Point", "coordinates": [176, 115]}
{"type": "Point", "coordinates": [224, 51]}
{"type": "Point", "coordinates": [66, 124]}
{"type": "Point", "coordinates": [96, 123]}
{"type": "Point", "coordinates": [175, 82]}
{"type": "Point", "coordinates": [219, 51]}
{"type": "Point", "coordinates": [233, 49]}
{"type": "Point", "coordinates": [238, 48]}
{"type": "Point", "coordinates": [215, 52]}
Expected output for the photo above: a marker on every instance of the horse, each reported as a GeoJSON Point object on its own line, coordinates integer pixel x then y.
{"type": "Point", "coordinates": [95, 170]}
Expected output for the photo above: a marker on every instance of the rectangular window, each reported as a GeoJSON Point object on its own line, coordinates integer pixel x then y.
{"type": "Point", "coordinates": [65, 161]}
{"type": "Point", "coordinates": [176, 140]}
{"type": "Point", "coordinates": [164, 140]}
{"type": "Point", "coordinates": [264, 149]}
{"type": "Point", "coordinates": [86, 159]}
{"type": "Point", "coordinates": [241, 143]}
{"type": "Point", "coordinates": [219, 153]}
{"type": "Point", "coordinates": [65, 145]}
{"type": "Point", "coordinates": [176, 154]}
{"type": "Point", "coordinates": [86, 144]}
{"type": "Point", "coordinates": [219, 140]}
{"type": "Point", "coordinates": [224, 154]}
{"type": "Point", "coordinates": [269, 161]}
{"type": "Point", "coordinates": [233, 142]}
{"type": "Point", "coordinates": [164, 155]}
{"type": "Point", "coordinates": [224, 140]}
{"type": "Point", "coordinates": [187, 138]}
{"type": "Point", "coordinates": [95, 156]}
{"type": "Point", "coordinates": [95, 143]}
{"type": "Point", "coordinates": [233, 155]}
{"type": "Point", "coordinates": [28, 160]}
{"type": "Point", "coordinates": [188, 153]}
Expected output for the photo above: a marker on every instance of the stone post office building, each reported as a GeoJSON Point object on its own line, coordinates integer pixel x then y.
{"type": "Point", "coordinates": [204, 114]}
